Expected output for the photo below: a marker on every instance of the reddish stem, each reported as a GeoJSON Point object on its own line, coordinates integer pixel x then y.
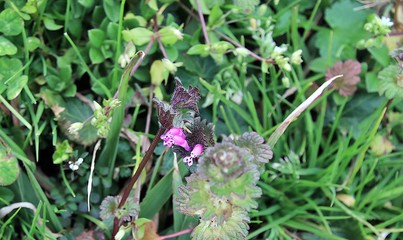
{"type": "Point", "coordinates": [202, 22]}
{"type": "Point", "coordinates": [136, 175]}
{"type": "Point", "coordinates": [183, 232]}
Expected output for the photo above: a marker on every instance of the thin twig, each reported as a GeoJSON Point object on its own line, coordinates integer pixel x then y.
{"type": "Point", "coordinates": [183, 232]}
{"type": "Point", "coordinates": [202, 22]}
{"type": "Point", "coordinates": [136, 175]}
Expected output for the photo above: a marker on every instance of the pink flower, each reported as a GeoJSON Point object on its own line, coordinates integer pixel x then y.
{"type": "Point", "coordinates": [350, 70]}
{"type": "Point", "coordinates": [196, 152]}
{"type": "Point", "coordinates": [175, 136]}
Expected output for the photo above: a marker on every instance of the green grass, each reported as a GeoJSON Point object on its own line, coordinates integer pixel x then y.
{"type": "Point", "coordinates": [330, 177]}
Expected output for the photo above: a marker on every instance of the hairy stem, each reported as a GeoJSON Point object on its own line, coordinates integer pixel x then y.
{"type": "Point", "coordinates": [136, 175]}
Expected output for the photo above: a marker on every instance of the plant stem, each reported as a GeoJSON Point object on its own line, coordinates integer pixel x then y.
{"type": "Point", "coordinates": [176, 234]}
{"type": "Point", "coordinates": [136, 175]}
{"type": "Point", "coordinates": [202, 22]}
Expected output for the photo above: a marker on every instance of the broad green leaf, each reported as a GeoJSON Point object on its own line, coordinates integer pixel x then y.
{"type": "Point", "coordinates": [96, 56]}
{"type": "Point", "coordinates": [33, 43]}
{"type": "Point", "coordinates": [55, 83]}
{"type": "Point", "coordinates": [158, 73]}
{"type": "Point", "coordinates": [77, 111]}
{"type": "Point", "coordinates": [342, 15]}
{"type": "Point", "coordinates": [10, 23]}
{"type": "Point", "coordinates": [214, 16]}
{"type": "Point", "coordinates": [381, 55]}
{"type": "Point", "coordinates": [372, 82]}
{"type": "Point", "coordinates": [51, 25]}
{"type": "Point", "coordinates": [7, 47]}
{"type": "Point", "coordinates": [321, 64]}
{"type": "Point", "coordinates": [112, 8]}
{"type": "Point", "coordinates": [87, 3]}
{"type": "Point", "coordinates": [9, 167]}
{"type": "Point", "coordinates": [199, 49]}
{"type": "Point", "coordinates": [170, 35]}
{"type": "Point", "coordinates": [97, 37]}
{"type": "Point", "coordinates": [6, 194]}
{"type": "Point", "coordinates": [139, 36]}
{"type": "Point", "coordinates": [9, 67]}
{"type": "Point", "coordinates": [15, 86]}
{"type": "Point", "coordinates": [153, 4]}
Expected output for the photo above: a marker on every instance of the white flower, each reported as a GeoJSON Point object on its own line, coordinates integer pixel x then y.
{"type": "Point", "coordinates": [386, 22]}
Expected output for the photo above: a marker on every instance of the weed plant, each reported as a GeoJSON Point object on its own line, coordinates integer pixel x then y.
{"type": "Point", "coordinates": [201, 119]}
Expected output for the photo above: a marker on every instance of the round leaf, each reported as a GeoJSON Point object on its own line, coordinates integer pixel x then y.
{"type": "Point", "coordinates": [15, 86]}
{"type": "Point", "coordinates": [7, 47]}
{"type": "Point", "coordinates": [10, 23]}
{"type": "Point", "coordinates": [9, 168]}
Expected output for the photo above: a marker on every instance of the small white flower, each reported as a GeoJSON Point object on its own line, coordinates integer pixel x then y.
{"type": "Point", "coordinates": [386, 22]}
{"type": "Point", "coordinates": [75, 165]}
{"type": "Point", "coordinates": [178, 34]}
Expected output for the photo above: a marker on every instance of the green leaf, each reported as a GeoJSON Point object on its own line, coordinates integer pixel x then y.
{"type": "Point", "coordinates": [342, 15]}
{"type": "Point", "coordinates": [77, 111]}
{"type": "Point", "coordinates": [158, 72]}
{"type": "Point", "coordinates": [381, 55]}
{"type": "Point", "coordinates": [10, 23]}
{"type": "Point", "coordinates": [96, 56]}
{"type": "Point", "coordinates": [214, 16]}
{"type": "Point", "coordinates": [112, 9]}
{"type": "Point", "coordinates": [159, 195]}
{"type": "Point", "coordinates": [139, 36]}
{"type": "Point", "coordinates": [7, 47]}
{"type": "Point", "coordinates": [9, 67]}
{"type": "Point", "coordinates": [97, 37]}
{"type": "Point", "coordinates": [9, 167]}
{"type": "Point", "coordinates": [87, 3]}
{"type": "Point", "coordinates": [199, 49]}
{"type": "Point", "coordinates": [33, 43]}
{"type": "Point", "coordinates": [63, 152]}
{"type": "Point", "coordinates": [246, 4]}
{"type": "Point", "coordinates": [320, 64]}
{"type": "Point", "coordinates": [15, 86]}
{"type": "Point", "coordinates": [372, 82]}
{"type": "Point", "coordinates": [51, 25]}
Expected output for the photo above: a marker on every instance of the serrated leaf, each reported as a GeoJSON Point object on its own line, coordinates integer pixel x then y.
{"type": "Point", "coordinates": [7, 47]}
{"type": "Point", "coordinates": [10, 23]}
{"type": "Point", "coordinates": [9, 167]}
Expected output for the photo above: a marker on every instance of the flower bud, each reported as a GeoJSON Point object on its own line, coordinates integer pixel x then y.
{"type": "Point", "coordinates": [75, 127]}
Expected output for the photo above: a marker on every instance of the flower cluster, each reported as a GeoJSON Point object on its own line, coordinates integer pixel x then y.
{"type": "Point", "coordinates": [176, 136]}
{"type": "Point", "coordinates": [224, 187]}
{"type": "Point", "coordinates": [378, 28]}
